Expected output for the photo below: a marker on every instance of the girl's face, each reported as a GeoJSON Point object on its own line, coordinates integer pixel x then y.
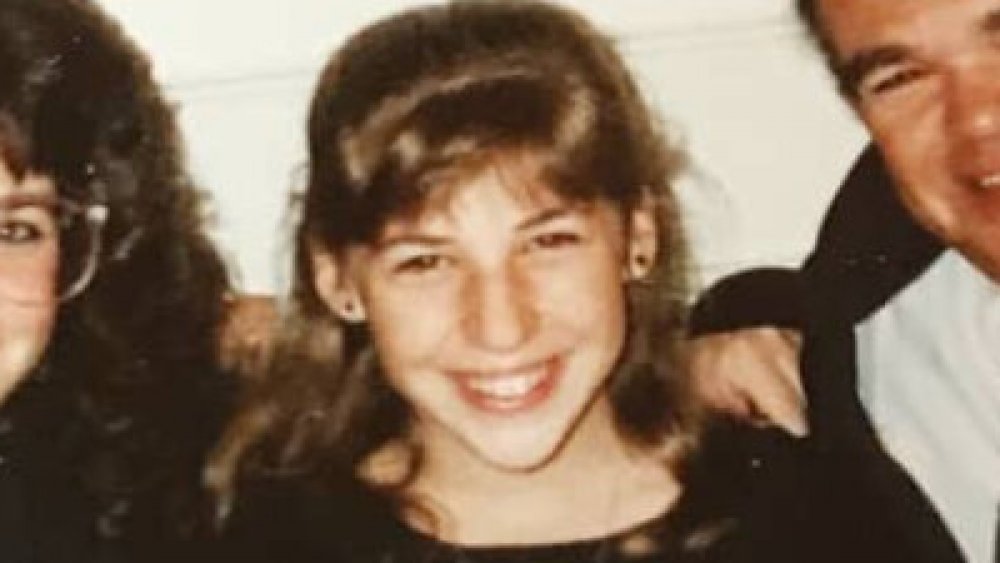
{"type": "Point", "coordinates": [498, 315]}
{"type": "Point", "coordinates": [29, 258]}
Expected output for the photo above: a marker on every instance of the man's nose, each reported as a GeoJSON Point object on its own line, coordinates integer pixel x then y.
{"type": "Point", "coordinates": [500, 310]}
{"type": "Point", "coordinates": [973, 106]}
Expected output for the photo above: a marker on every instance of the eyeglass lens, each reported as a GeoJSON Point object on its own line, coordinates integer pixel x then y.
{"type": "Point", "coordinates": [46, 249]}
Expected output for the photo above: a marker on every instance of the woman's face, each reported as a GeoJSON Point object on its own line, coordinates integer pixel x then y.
{"type": "Point", "coordinates": [29, 258]}
{"type": "Point", "coordinates": [498, 314]}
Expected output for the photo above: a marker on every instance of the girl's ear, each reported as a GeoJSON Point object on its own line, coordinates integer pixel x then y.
{"type": "Point", "coordinates": [642, 240]}
{"type": "Point", "coordinates": [334, 286]}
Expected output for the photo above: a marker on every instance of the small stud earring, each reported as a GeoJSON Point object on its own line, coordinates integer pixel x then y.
{"type": "Point", "coordinates": [640, 266]}
{"type": "Point", "coordinates": [351, 311]}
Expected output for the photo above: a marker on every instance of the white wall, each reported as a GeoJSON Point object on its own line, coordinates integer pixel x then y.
{"type": "Point", "coordinates": [734, 78]}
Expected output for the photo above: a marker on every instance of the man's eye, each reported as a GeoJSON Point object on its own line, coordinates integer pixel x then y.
{"type": "Point", "coordinates": [889, 81]}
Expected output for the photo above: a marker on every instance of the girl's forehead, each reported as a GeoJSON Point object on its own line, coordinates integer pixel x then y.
{"type": "Point", "coordinates": [499, 185]}
{"type": "Point", "coordinates": [524, 177]}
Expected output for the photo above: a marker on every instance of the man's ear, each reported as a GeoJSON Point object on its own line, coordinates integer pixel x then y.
{"type": "Point", "coordinates": [335, 287]}
{"type": "Point", "coordinates": [643, 240]}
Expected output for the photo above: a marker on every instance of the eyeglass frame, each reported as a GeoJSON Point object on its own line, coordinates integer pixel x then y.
{"type": "Point", "coordinates": [95, 216]}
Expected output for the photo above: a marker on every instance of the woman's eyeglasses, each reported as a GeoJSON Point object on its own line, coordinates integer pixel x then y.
{"type": "Point", "coordinates": [49, 247]}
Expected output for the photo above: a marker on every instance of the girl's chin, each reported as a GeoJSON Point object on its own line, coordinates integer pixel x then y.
{"type": "Point", "coordinates": [519, 461]}
{"type": "Point", "coordinates": [519, 448]}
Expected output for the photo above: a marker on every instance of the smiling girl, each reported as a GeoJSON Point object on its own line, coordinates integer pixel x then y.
{"type": "Point", "coordinates": [481, 360]}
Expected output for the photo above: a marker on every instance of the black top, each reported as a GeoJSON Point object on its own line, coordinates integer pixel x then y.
{"type": "Point", "coordinates": [750, 495]}
{"type": "Point", "coordinates": [868, 249]}
{"type": "Point", "coordinates": [44, 514]}
{"type": "Point", "coordinates": [49, 509]}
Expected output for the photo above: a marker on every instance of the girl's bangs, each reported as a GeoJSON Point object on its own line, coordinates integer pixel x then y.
{"type": "Point", "coordinates": [536, 129]}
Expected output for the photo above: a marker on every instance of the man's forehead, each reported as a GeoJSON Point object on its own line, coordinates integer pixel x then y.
{"type": "Point", "coordinates": [854, 25]}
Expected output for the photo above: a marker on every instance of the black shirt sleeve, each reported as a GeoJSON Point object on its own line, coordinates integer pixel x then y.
{"type": "Point", "coordinates": [868, 248]}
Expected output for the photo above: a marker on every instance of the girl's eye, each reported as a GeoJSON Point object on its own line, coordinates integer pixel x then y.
{"type": "Point", "coordinates": [554, 240]}
{"type": "Point", "coordinates": [420, 264]}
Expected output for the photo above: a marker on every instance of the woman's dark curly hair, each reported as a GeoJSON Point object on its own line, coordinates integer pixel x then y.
{"type": "Point", "coordinates": [128, 394]}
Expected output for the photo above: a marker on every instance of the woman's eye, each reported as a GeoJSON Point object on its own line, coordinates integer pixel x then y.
{"type": "Point", "coordinates": [20, 232]}
{"type": "Point", "coordinates": [28, 224]}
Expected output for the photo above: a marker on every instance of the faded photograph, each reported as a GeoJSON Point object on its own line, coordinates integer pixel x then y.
{"type": "Point", "coordinates": [499, 280]}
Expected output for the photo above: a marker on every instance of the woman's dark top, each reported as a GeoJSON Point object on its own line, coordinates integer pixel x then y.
{"type": "Point", "coordinates": [63, 498]}
{"type": "Point", "coordinates": [750, 495]}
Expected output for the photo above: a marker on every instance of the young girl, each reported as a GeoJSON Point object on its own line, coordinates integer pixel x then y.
{"type": "Point", "coordinates": [481, 361]}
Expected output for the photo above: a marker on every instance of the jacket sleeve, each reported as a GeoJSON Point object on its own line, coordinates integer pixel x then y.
{"type": "Point", "coordinates": [760, 297]}
{"type": "Point", "coordinates": [868, 249]}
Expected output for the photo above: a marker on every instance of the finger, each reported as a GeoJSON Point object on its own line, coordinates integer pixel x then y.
{"type": "Point", "coordinates": [788, 359]}
{"type": "Point", "coordinates": [721, 396]}
{"type": "Point", "coordinates": [783, 405]}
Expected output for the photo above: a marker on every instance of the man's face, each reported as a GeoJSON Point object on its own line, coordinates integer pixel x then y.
{"type": "Point", "coordinates": [926, 75]}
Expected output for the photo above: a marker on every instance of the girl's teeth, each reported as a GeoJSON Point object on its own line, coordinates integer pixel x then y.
{"type": "Point", "coordinates": [505, 387]}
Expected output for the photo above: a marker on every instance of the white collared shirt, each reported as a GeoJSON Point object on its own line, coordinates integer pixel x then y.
{"type": "Point", "coordinates": [929, 378]}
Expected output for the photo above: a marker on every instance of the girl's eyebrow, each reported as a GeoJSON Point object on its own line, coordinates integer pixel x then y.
{"type": "Point", "coordinates": [15, 200]}
{"type": "Point", "coordinates": [546, 215]}
{"type": "Point", "coordinates": [533, 221]}
{"type": "Point", "coordinates": [409, 238]}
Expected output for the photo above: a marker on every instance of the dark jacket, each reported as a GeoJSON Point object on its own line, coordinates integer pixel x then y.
{"type": "Point", "coordinates": [43, 516]}
{"type": "Point", "coordinates": [868, 250]}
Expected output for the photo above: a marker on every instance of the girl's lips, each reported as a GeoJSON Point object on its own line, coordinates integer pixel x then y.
{"type": "Point", "coordinates": [509, 391]}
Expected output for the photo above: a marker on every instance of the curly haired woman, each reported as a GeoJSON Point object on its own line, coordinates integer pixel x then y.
{"type": "Point", "coordinates": [110, 300]}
